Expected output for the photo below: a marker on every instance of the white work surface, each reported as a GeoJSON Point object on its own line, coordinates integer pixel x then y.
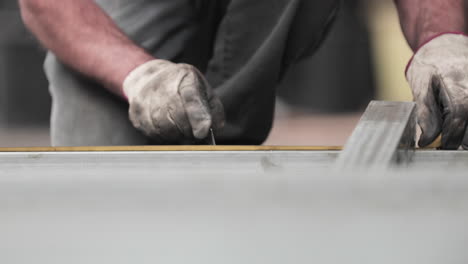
{"type": "Point", "coordinates": [228, 207]}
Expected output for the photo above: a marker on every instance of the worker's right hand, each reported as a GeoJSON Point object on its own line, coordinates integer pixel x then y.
{"type": "Point", "coordinates": [172, 103]}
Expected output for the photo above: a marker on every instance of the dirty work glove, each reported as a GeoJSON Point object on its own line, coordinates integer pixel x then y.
{"type": "Point", "coordinates": [172, 103]}
{"type": "Point", "coordinates": [438, 76]}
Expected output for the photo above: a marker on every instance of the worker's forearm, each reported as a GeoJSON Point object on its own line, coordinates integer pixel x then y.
{"type": "Point", "coordinates": [84, 38]}
{"type": "Point", "coordinates": [423, 19]}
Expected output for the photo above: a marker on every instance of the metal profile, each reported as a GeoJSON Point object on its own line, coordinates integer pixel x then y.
{"type": "Point", "coordinates": [385, 135]}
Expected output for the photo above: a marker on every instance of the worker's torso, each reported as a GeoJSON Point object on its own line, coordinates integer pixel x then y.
{"type": "Point", "coordinates": [242, 46]}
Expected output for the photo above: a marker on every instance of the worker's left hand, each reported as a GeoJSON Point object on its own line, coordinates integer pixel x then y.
{"type": "Point", "coordinates": [438, 76]}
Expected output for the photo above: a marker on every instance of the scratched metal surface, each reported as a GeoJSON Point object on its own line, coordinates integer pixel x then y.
{"type": "Point", "coordinates": [230, 207]}
{"type": "Point", "coordinates": [92, 209]}
{"type": "Point", "coordinates": [165, 162]}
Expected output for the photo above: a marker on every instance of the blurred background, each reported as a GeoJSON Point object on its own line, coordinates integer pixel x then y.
{"type": "Point", "coordinates": [319, 101]}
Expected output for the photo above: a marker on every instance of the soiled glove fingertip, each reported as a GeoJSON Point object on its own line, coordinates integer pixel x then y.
{"type": "Point", "coordinates": [427, 139]}
{"type": "Point", "coordinates": [435, 144]}
{"type": "Point", "coordinates": [200, 131]}
{"type": "Point", "coordinates": [431, 129]}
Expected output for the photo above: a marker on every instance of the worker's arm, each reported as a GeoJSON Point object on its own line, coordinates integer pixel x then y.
{"type": "Point", "coordinates": [85, 38]}
{"type": "Point", "coordinates": [438, 72]}
{"type": "Point", "coordinates": [421, 20]}
{"type": "Point", "coordinates": [169, 102]}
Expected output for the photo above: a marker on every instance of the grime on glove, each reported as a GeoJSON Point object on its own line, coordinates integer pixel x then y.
{"type": "Point", "coordinates": [438, 76]}
{"type": "Point", "coordinates": [172, 103]}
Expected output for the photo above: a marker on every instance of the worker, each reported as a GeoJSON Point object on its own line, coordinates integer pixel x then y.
{"type": "Point", "coordinates": [137, 72]}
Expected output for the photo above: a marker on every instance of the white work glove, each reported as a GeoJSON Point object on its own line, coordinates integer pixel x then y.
{"type": "Point", "coordinates": [172, 103]}
{"type": "Point", "coordinates": [438, 76]}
